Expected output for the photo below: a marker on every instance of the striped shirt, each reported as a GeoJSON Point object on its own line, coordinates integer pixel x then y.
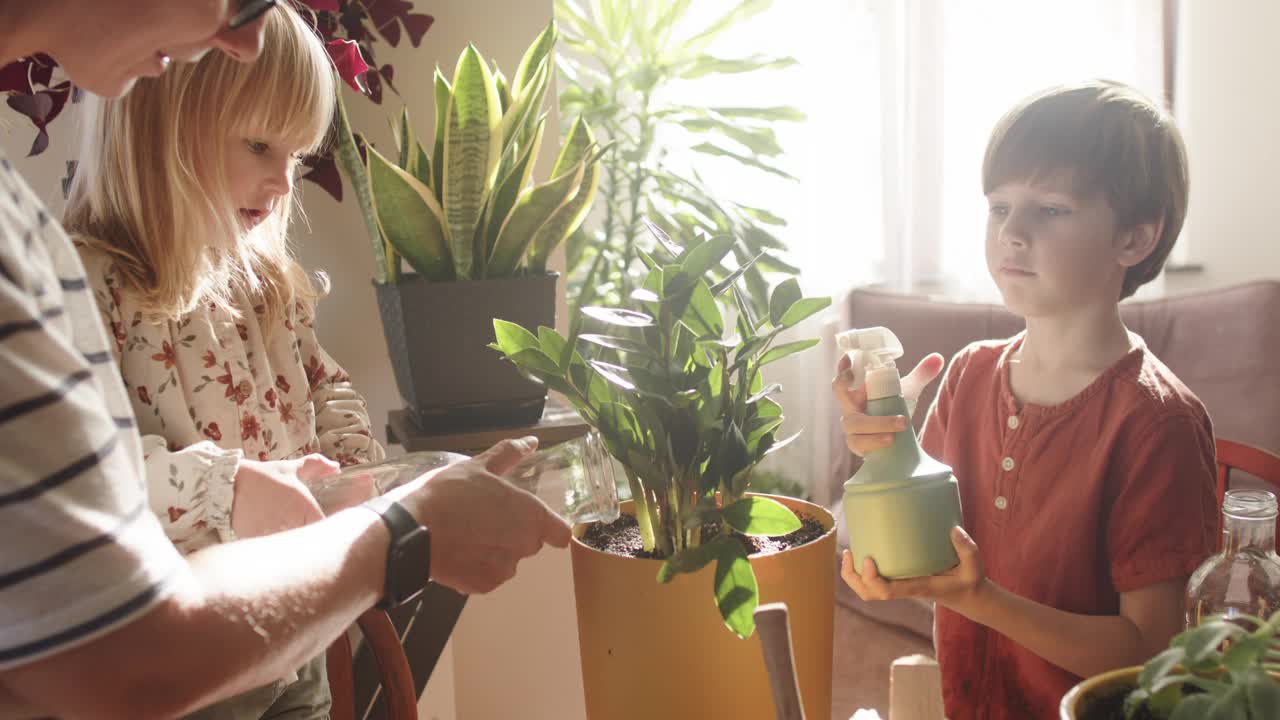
{"type": "Point", "coordinates": [80, 553]}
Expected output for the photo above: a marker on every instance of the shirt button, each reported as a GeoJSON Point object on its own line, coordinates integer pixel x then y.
{"type": "Point", "coordinates": [1007, 463]}
{"type": "Point", "coordinates": [1001, 502]}
{"type": "Point", "coordinates": [1013, 422]}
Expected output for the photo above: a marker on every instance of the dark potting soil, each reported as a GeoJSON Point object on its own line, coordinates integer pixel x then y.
{"type": "Point", "coordinates": [1111, 707]}
{"type": "Point", "coordinates": [622, 537]}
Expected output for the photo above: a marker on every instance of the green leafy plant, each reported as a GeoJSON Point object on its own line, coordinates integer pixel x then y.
{"type": "Point", "coordinates": [1220, 669]}
{"type": "Point", "coordinates": [622, 58]}
{"type": "Point", "coordinates": [463, 206]}
{"type": "Point", "coordinates": [682, 407]}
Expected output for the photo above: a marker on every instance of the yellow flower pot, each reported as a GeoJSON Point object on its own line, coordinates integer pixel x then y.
{"type": "Point", "coordinates": [1077, 699]}
{"type": "Point", "coordinates": [654, 651]}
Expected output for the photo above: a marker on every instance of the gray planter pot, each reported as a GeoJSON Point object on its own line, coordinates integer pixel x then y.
{"type": "Point", "coordinates": [438, 336]}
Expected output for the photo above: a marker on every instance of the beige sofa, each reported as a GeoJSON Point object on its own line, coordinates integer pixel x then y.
{"type": "Point", "coordinates": [1224, 344]}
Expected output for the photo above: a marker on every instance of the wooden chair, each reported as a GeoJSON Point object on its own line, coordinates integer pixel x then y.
{"type": "Point", "coordinates": [393, 668]}
{"type": "Point", "coordinates": [1256, 462]}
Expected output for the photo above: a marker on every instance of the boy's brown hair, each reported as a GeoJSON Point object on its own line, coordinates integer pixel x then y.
{"type": "Point", "coordinates": [1106, 137]}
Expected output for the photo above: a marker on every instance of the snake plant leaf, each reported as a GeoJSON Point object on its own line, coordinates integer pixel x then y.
{"type": "Point", "coordinates": [508, 191]}
{"type": "Point", "coordinates": [410, 218]}
{"type": "Point", "coordinates": [524, 110]}
{"type": "Point", "coordinates": [539, 51]}
{"type": "Point", "coordinates": [421, 168]}
{"type": "Point", "coordinates": [443, 94]}
{"type": "Point", "coordinates": [405, 141]}
{"type": "Point", "coordinates": [500, 83]}
{"type": "Point", "coordinates": [532, 210]}
{"type": "Point", "coordinates": [565, 221]}
{"type": "Point", "coordinates": [472, 145]}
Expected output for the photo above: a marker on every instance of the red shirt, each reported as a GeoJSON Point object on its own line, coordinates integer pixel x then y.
{"type": "Point", "coordinates": [1070, 506]}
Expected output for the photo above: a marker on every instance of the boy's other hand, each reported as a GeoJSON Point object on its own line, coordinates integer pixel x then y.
{"type": "Point", "coordinates": [958, 588]}
{"type": "Point", "coordinates": [864, 433]}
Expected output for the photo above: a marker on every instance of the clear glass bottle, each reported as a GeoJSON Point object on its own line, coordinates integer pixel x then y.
{"type": "Point", "coordinates": [1244, 578]}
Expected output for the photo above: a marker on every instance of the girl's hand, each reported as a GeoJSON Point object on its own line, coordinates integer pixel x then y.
{"type": "Point", "coordinates": [273, 496]}
{"type": "Point", "coordinates": [862, 432]}
{"type": "Point", "coordinates": [959, 588]}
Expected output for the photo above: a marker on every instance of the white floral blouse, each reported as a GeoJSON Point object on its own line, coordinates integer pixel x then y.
{"type": "Point", "coordinates": [208, 389]}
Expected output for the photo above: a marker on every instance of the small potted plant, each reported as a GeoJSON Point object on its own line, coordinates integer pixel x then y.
{"type": "Point", "coordinates": [683, 407]}
{"type": "Point", "coordinates": [463, 212]}
{"type": "Point", "coordinates": [1221, 669]}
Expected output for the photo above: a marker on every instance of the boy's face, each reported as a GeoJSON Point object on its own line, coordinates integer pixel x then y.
{"type": "Point", "coordinates": [1051, 251]}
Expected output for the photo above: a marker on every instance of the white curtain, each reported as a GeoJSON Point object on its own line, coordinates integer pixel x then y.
{"type": "Point", "coordinates": [901, 95]}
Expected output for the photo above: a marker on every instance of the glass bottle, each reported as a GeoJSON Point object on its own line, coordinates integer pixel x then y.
{"type": "Point", "coordinates": [1244, 578]}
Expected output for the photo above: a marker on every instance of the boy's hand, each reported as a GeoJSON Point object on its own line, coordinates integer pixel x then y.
{"type": "Point", "coordinates": [862, 432]}
{"type": "Point", "coordinates": [958, 588]}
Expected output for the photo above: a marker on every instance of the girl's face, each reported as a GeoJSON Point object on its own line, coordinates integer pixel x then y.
{"type": "Point", "coordinates": [259, 173]}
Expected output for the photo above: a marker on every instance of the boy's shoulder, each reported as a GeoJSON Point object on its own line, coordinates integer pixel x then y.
{"type": "Point", "coordinates": [1152, 390]}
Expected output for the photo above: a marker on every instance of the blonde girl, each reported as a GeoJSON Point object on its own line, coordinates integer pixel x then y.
{"type": "Point", "coordinates": [181, 208]}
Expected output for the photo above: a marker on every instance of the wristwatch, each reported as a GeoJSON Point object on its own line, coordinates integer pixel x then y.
{"type": "Point", "coordinates": [408, 555]}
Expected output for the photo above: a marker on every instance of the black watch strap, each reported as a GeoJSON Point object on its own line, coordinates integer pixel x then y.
{"type": "Point", "coordinates": [406, 575]}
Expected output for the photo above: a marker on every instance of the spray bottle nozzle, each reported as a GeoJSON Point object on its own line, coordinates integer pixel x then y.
{"type": "Point", "coordinates": [870, 350]}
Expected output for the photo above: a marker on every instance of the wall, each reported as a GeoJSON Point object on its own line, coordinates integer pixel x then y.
{"type": "Point", "coordinates": [1230, 113]}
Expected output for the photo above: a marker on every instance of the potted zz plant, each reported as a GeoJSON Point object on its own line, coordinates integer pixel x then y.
{"type": "Point", "coordinates": [1221, 670]}
{"type": "Point", "coordinates": [685, 411]}
{"type": "Point", "coordinates": [464, 213]}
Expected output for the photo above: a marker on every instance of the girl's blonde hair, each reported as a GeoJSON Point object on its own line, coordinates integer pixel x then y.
{"type": "Point", "coordinates": [150, 187]}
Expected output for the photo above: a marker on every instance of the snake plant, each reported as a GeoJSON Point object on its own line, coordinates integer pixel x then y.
{"type": "Point", "coordinates": [464, 205]}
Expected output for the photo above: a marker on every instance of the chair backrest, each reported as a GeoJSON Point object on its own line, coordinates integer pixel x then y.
{"type": "Point", "coordinates": [396, 678]}
{"type": "Point", "coordinates": [1261, 464]}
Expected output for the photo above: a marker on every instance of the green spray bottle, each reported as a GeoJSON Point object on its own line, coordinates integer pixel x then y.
{"type": "Point", "coordinates": [901, 504]}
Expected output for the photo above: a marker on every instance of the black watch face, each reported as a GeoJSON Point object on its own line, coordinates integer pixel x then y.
{"type": "Point", "coordinates": [410, 566]}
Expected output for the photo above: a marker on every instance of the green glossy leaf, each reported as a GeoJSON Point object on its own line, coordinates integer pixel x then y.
{"type": "Point", "coordinates": [775, 447]}
{"type": "Point", "coordinates": [736, 593]}
{"type": "Point", "coordinates": [1204, 641]}
{"type": "Point", "coordinates": [803, 309]}
{"type": "Point", "coordinates": [1160, 665]}
{"type": "Point", "coordinates": [760, 516]}
{"type": "Point", "coordinates": [512, 338]}
{"type": "Point", "coordinates": [472, 148]}
{"type": "Point", "coordinates": [535, 207]}
{"type": "Point", "coordinates": [618, 316]}
{"type": "Point", "coordinates": [692, 560]}
{"type": "Point", "coordinates": [534, 361]}
{"type": "Point", "coordinates": [701, 259]}
{"type": "Point", "coordinates": [618, 343]}
{"type": "Point", "coordinates": [790, 348]}
{"type": "Point", "coordinates": [702, 314]}
{"type": "Point", "coordinates": [409, 218]}
{"type": "Point", "coordinates": [1193, 707]}
{"type": "Point", "coordinates": [615, 374]}
{"type": "Point", "coordinates": [1263, 694]}
{"type": "Point", "coordinates": [786, 294]}
{"type": "Point", "coordinates": [663, 238]}
{"type": "Point", "coordinates": [773, 389]}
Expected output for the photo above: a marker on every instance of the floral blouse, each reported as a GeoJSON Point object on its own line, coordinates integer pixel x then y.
{"type": "Point", "coordinates": [208, 389]}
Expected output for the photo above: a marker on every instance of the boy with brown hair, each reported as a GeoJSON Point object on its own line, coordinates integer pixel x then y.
{"type": "Point", "coordinates": [1085, 466]}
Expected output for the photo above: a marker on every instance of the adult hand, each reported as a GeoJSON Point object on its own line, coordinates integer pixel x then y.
{"type": "Point", "coordinates": [273, 496]}
{"type": "Point", "coordinates": [959, 588]}
{"type": "Point", "coordinates": [864, 433]}
{"type": "Point", "coordinates": [481, 525]}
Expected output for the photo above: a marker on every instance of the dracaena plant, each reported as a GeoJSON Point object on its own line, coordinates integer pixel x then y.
{"type": "Point", "coordinates": [681, 403]}
{"type": "Point", "coordinates": [1220, 669]}
{"type": "Point", "coordinates": [463, 206]}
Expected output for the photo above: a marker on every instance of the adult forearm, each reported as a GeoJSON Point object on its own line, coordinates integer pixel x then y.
{"type": "Point", "coordinates": [248, 614]}
{"type": "Point", "coordinates": [1081, 644]}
